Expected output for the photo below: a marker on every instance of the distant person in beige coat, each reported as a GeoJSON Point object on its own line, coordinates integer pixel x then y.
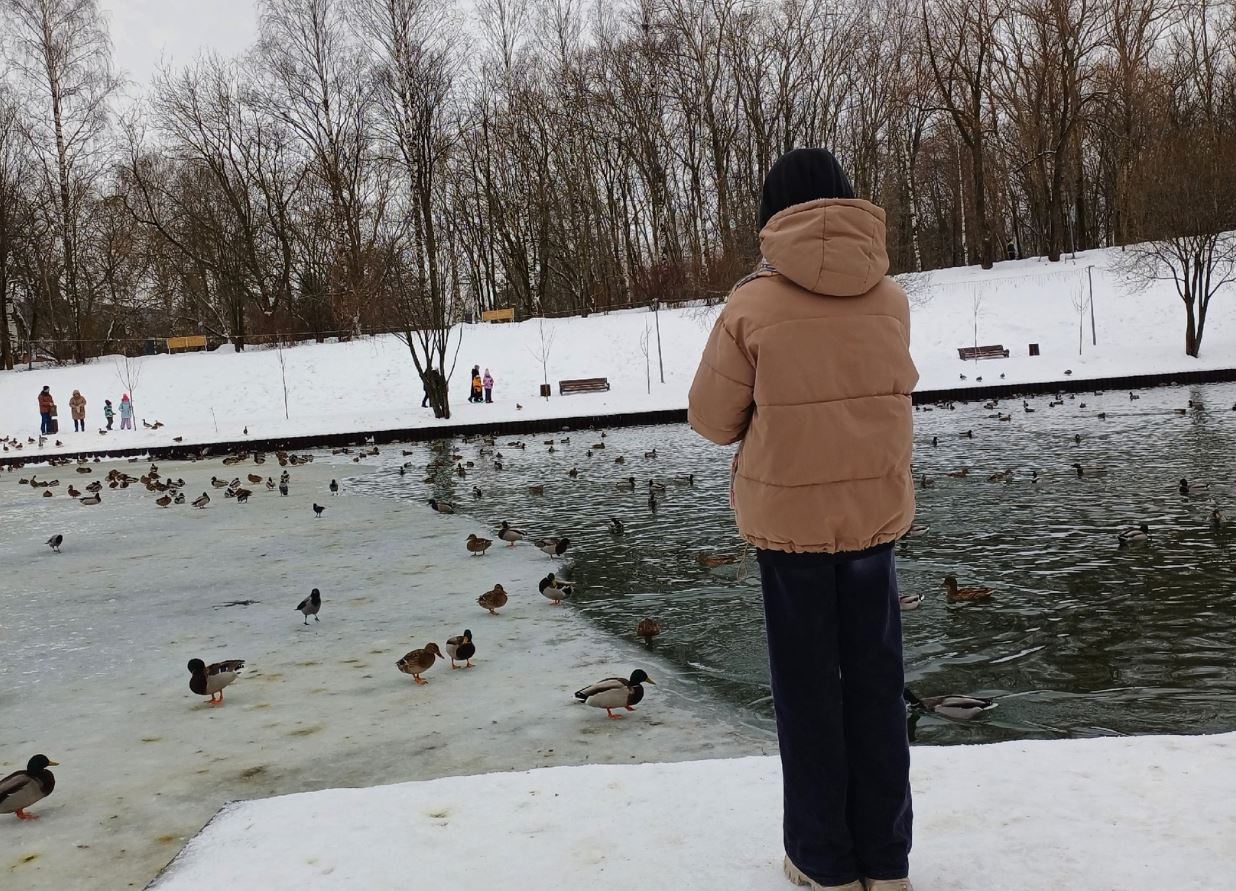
{"type": "Point", "coordinates": [77, 408]}
{"type": "Point", "coordinates": [808, 367]}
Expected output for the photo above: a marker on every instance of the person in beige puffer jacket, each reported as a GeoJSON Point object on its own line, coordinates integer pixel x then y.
{"type": "Point", "coordinates": [809, 368]}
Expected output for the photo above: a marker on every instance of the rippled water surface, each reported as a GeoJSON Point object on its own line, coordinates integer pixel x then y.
{"type": "Point", "coordinates": [1082, 638]}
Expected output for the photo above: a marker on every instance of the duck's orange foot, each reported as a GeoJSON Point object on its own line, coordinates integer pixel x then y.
{"type": "Point", "coordinates": [629, 708]}
{"type": "Point", "coordinates": [420, 680]}
{"type": "Point", "coordinates": [469, 665]}
{"type": "Point", "coordinates": [612, 716]}
{"type": "Point", "coordinates": [22, 815]}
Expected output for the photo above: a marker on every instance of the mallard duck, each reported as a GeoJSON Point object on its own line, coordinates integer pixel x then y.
{"type": "Point", "coordinates": [916, 530]}
{"type": "Point", "coordinates": [910, 602]}
{"type": "Point", "coordinates": [461, 647]}
{"type": "Point", "coordinates": [612, 693]}
{"type": "Point", "coordinates": [218, 483]}
{"type": "Point", "coordinates": [684, 479]}
{"type": "Point", "coordinates": [1217, 519]}
{"type": "Point", "coordinates": [964, 595]}
{"type": "Point", "coordinates": [1187, 488]}
{"type": "Point", "coordinates": [1004, 476]}
{"type": "Point", "coordinates": [493, 600]}
{"type": "Point", "coordinates": [201, 502]}
{"type": "Point", "coordinates": [627, 485]}
{"type": "Point", "coordinates": [96, 487]}
{"type": "Point", "coordinates": [72, 492]}
{"type": "Point", "coordinates": [953, 707]}
{"type": "Point", "coordinates": [651, 454]}
{"type": "Point", "coordinates": [960, 474]}
{"type": "Point", "coordinates": [418, 662]}
{"type": "Point", "coordinates": [441, 507]}
{"type": "Point", "coordinates": [270, 484]}
{"type": "Point", "coordinates": [1134, 534]}
{"type": "Point", "coordinates": [311, 605]}
{"type": "Point", "coordinates": [555, 589]}
{"type": "Point", "coordinates": [22, 788]}
{"type": "Point", "coordinates": [256, 479]}
{"type": "Point", "coordinates": [573, 472]}
{"type": "Point", "coordinates": [615, 526]}
{"type": "Point", "coordinates": [554, 547]}
{"type": "Point", "coordinates": [620, 460]}
{"type": "Point", "coordinates": [648, 628]}
{"type": "Point", "coordinates": [538, 489]}
{"type": "Point", "coordinates": [164, 501]}
{"type": "Point", "coordinates": [47, 493]}
{"type": "Point", "coordinates": [478, 546]}
{"type": "Point", "coordinates": [510, 535]}
{"type": "Point", "coordinates": [179, 499]}
{"type": "Point", "coordinates": [654, 486]}
{"type": "Point", "coordinates": [712, 561]}
{"type": "Point", "coordinates": [927, 482]}
{"type": "Point", "coordinates": [91, 499]}
{"type": "Point", "coordinates": [209, 680]}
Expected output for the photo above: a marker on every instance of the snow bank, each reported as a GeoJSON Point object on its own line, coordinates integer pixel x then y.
{"type": "Point", "coordinates": [371, 384]}
{"type": "Point", "coordinates": [1145, 813]}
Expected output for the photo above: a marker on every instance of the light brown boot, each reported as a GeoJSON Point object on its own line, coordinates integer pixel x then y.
{"type": "Point", "coordinates": [795, 875]}
{"type": "Point", "coordinates": [887, 885]}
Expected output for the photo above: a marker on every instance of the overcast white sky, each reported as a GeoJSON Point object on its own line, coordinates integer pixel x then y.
{"type": "Point", "coordinates": [145, 31]}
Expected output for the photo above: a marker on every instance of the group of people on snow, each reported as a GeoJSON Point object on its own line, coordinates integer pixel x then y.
{"type": "Point", "coordinates": [77, 410]}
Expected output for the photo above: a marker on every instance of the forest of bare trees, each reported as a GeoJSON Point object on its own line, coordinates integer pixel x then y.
{"type": "Point", "coordinates": [385, 165]}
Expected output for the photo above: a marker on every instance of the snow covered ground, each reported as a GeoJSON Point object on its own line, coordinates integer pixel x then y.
{"type": "Point", "coordinates": [370, 384]}
{"type": "Point", "coordinates": [95, 642]}
{"type": "Point", "coordinates": [1131, 814]}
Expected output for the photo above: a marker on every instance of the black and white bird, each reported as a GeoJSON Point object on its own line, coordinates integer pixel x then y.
{"type": "Point", "coordinates": [334, 487]}
{"type": "Point", "coordinates": [954, 707]}
{"type": "Point", "coordinates": [23, 788]}
{"type": "Point", "coordinates": [209, 680]}
{"type": "Point", "coordinates": [55, 542]}
{"type": "Point", "coordinates": [461, 647]}
{"type": "Point", "coordinates": [311, 605]}
{"type": "Point", "coordinates": [318, 510]}
{"type": "Point", "coordinates": [283, 488]}
{"type": "Point", "coordinates": [613, 693]}
{"type": "Point", "coordinates": [616, 527]}
{"type": "Point", "coordinates": [554, 547]}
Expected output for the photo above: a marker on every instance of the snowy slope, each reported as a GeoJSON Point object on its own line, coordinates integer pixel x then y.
{"type": "Point", "coordinates": [1134, 814]}
{"type": "Point", "coordinates": [371, 384]}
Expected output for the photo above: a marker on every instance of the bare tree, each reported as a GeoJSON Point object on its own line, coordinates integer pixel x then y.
{"type": "Point", "coordinates": [960, 36]}
{"type": "Point", "coordinates": [64, 61]}
{"type": "Point", "coordinates": [129, 373]}
{"type": "Point", "coordinates": [14, 168]}
{"type": "Point", "coordinates": [544, 345]}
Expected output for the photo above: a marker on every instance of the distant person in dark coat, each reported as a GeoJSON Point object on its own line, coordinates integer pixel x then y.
{"type": "Point", "coordinates": [47, 407]}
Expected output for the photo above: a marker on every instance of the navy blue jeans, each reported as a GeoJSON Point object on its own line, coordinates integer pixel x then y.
{"type": "Point", "coordinates": [834, 649]}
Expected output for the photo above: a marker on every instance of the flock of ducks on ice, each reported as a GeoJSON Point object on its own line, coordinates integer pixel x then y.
{"type": "Point", "coordinates": [23, 788]}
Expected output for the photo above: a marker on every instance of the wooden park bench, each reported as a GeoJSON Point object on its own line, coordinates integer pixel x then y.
{"type": "Point", "coordinates": [583, 385]}
{"type": "Point", "coordinates": [191, 342]}
{"type": "Point", "coordinates": [499, 315]}
{"type": "Point", "coordinates": [984, 352]}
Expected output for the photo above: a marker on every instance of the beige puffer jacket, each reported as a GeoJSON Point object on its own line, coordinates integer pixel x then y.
{"type": "Point", "coordinates": [809, 366]}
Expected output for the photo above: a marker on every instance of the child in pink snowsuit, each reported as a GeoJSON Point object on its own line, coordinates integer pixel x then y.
{"type": "Point", "coordinates": [126, 413]}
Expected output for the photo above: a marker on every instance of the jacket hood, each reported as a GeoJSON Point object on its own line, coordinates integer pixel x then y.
{"type": "Point", "coordinates": [834, 246]}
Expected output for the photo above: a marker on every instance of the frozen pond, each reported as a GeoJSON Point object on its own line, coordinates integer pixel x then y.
{"type": "Point", "coordinates": [1082, 638]}
{"type": "Point", "coordinates": [96, 640]}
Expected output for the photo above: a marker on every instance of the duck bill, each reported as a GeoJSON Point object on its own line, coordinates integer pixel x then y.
{"type": "Point", "coordinates": [650, 681]}
{"type": "Point", "coordinates": [53, 763]}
